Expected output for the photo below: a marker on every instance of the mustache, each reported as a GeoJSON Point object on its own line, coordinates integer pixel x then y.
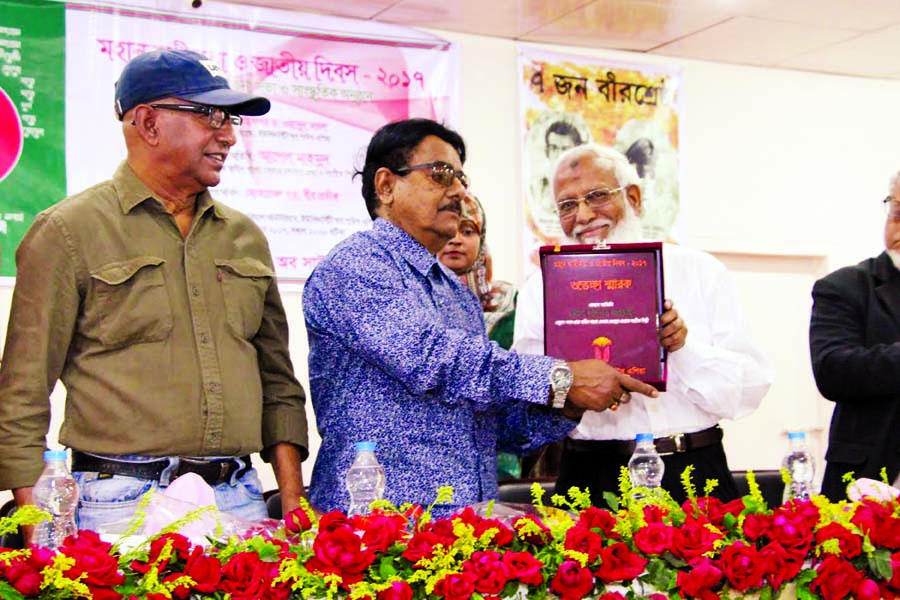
{"type": "Point", "coordinates": [598, 222]}
{"type": "Point", "coordinates": [453, 206]}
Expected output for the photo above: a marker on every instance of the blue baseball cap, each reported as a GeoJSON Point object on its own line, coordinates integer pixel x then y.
{"type": "Point", "coordinates": [185, 75]}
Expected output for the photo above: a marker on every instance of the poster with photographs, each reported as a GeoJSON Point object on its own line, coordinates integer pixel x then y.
{"type": "Point", "coordinates": [571, 100]}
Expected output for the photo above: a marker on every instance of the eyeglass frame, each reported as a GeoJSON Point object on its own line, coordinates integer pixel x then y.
{"type": "Point", "coordinates": [434, 166]}
{"type": "Point", "coordinates": [585, 198]}
{"type": "Point", "coordinates": [204, 109]}
{"type": "Point", "coordinates": [887, 209]}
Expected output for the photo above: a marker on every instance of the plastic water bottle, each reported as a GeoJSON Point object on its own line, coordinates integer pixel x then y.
{"type": "Point", "coordinates": [801, 467]}
{"type": "Point", "coordinates": [56, 493]}
{"type": "Point", "coordinates": [645, 466]}
{"type": "Point", "coordinates": [365, 479]}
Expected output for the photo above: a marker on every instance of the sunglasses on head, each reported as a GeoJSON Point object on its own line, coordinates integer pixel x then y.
{"type": "Point", "coordinates": [441, 173]}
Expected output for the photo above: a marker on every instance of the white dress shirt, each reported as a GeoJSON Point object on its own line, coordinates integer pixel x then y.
{"type": "Point", "coordinates": [718, 373]}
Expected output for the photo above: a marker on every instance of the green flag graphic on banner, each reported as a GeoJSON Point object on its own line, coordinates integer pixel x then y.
{"type": "Point", "coordinates": [32, 117]}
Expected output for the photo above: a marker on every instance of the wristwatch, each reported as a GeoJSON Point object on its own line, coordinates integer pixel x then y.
{"type": "Point", "coordinates": [560, 381]}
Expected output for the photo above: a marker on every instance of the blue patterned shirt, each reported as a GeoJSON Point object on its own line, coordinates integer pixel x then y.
{"type": "Point", "coordinates": [399, 356]}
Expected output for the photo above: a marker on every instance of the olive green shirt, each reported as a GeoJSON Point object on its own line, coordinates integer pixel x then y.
{"type": "Point", "coordinates": [166, 345]}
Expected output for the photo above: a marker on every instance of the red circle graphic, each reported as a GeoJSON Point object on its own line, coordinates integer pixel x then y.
{"type": "Point", "coordinates": [10, 135]}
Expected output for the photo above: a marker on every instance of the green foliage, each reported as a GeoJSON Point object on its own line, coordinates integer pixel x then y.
{"type": "Point", "coordinates": [880, 563]}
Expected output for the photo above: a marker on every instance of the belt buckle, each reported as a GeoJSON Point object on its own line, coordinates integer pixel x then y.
{"type": "Point", "coordinates": [680, 442]}
{"type": "Point", "coordinates": [223, 470]}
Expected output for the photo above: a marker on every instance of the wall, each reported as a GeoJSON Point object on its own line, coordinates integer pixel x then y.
{"type": "Point", "coordinates": [782, 176]}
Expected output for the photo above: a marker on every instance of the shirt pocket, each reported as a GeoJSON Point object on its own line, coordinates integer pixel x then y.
{"type": "Point", "coordinates": [132, 303]}
{"type": "Point", "coordinates": [245, 282]}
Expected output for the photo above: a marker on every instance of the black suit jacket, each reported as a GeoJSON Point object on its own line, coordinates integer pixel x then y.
{"type": "Point", "coordinates": [854, 339]}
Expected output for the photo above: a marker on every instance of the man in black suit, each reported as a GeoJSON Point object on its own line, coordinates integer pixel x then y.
{"type": "Point", "coordinates": [854, 340]}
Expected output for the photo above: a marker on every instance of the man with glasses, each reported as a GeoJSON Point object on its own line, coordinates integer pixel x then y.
{"type": "Point", "coordinates": [157, 307]}
{"type": "Point", "coordinates": [398, 349]}
{"type": "Point", "coordinates": [854, 341]}
{"type": "Point", "coordinates": [714, 373]}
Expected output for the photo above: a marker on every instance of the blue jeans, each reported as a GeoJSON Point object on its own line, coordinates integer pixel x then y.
{"type": "Point", "coordinates": [107, 503]}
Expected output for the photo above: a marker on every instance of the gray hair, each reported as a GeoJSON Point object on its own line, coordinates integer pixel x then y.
{"type": "Point", "coordinates": [625, 172]}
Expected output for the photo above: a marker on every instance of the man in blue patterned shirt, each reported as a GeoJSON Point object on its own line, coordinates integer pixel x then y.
{"type": "Point", "coordinates": [398, 349]}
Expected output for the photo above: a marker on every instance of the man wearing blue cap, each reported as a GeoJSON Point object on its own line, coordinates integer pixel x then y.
{"type": "Point", "coordinates": [158, 309]}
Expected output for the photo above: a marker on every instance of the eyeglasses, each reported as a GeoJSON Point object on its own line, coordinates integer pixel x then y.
{"type": "Point", "coordinates": [441, 173]}
{"type": "Point", "coordinates": [891, 209]}
{"type": "Point", "coordinates": [595, 200]}
{"type": "Point", "coordinates": [215, 115]}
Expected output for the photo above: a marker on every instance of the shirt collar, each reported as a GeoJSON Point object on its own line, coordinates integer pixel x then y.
{"type": "Point", "coordinates": [132, 192]}
{"type": "Point", "coordinates": [404, 245]}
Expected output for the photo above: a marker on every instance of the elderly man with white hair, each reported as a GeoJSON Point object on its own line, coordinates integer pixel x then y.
{"type": "Point", "coordinates": [714, 373]}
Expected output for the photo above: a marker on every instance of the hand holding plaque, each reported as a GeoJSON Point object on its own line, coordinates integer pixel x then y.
{"type": "Point", "coordinates": [606, 303]}
{"type": "Point", "coordinates": [599, 386]}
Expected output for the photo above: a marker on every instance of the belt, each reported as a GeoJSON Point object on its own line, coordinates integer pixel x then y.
{"type": "Point", "coordinates": [213, 471]}
{"type": "Point", "coordinates": [670, 444]}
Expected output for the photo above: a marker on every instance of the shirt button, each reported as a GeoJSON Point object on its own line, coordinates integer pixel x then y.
{"type": "Point", "coordinates": [214, 388]}
{"type": "Point", "coordinates": [195, 291]}
{"type": "Point", "coordinates": [204, 339]}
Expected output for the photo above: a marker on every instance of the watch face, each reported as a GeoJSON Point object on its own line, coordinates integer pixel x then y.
{"type": "Point", "coordinates": [561, 377]}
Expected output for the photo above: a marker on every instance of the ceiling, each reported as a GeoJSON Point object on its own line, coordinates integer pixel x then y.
{"type": "Point", "coordinates": [849, 37]}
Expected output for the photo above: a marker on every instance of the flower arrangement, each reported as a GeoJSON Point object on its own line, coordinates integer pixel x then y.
{"type": "Point", "coordinates": [644, 546]}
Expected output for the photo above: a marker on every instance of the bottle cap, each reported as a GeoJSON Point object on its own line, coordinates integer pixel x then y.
{"type": "Point", "coordinates": [796, 435]}
{"type": "Point", "coordinates": [365, 446]}
{"type": "Point", "coordinates": [55, 455]}
{"type": "Point", "coordinates": [644, 437]}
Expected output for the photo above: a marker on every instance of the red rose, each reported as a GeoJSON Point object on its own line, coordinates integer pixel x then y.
{"type": "Point", "coordinates": [611, 596]}
{"type": "Point", "coordinates": [456, 586]}
{"type": "Point", "coordinates": [92, 559]}
{"type": "Point", "coordinates": [742, 567]}
{"type": "Point", "coordinates": [778, 564]}
{"type": "Point", "coordinates": [878, 521]}
{"type": "Point", "coordinates": [572, 581]}
{"type": "Point", "coordinates": [657, 596]}
{"type": "Point", "coordinates": [490, 573]}
{"type": "Point", "coordinates": [421, 546]}
{"type": "Point", "coordinates": [206, 571]}
{"type": "Point", "coordinates": [712, 509]}
{"type": "Point", "coordinates": [793, 529]}
{"type": "Point", "coordinates": [850, 543]}
{"type": "Point", "coordinates": [24, 573]}
{"type": "Point", "coordinates": [334, 520]}
{"type": "Point", "coordinates": [692, 540]}
{"type": "Point", "coordinates": [654, 513]}
{"type": "Point", "coordinates": [342, 549]}
{"type": "Point", "coordinates": [298, 520]}
{"type": "Point", "coordinates": [756, 526]}
{"type": "Point", "coordinates": [619, 563]}
{"type": "Point", "coordinates": [835, 579]}
{"type": "Point", "coordinates": [867, 589]}
{"type": "Point", "coordinates": [180, 592]}
{"type": "Point", "coordinates": [243, 576]}
{"type": "Point", "coordinates": [480, 525]}
{"type": "Point", "coordinates": [524, 567]}
{"type": "Point", "coordinates": [180, 548]}
{"type": "Point", "coordinates": [382, 530]}
{"type": "Point", "coordinates": [528, 522]}
{"type": "Point", "coordinates": [594, 518]}
{"type": "Point", "coordinates": [584, 540]}
{"type": "Point", "coordinates": [654, 538]}
{"type": "Point", "coordinates": [701, 579]}
{"type": "Point", "coordinates": [399, 590]}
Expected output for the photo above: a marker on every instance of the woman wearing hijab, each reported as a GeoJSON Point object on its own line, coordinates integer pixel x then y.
{"type": "Point", "coordinates": [467, 255]}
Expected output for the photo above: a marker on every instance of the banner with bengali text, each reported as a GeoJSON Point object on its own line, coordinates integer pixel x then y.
{"type": "Point", "coordinates": [569, 100]}
{"type": "Point", "coordinates": [332, 82]}
{"type": "Point", "coordinates": [32, 94]}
